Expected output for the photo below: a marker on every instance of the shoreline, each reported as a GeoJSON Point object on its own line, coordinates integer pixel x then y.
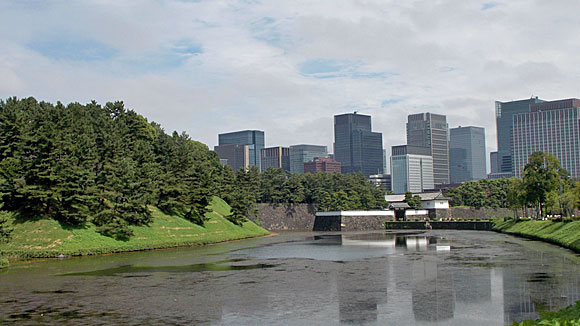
{"type": "Point", "coordinates": [46, 238]}
{"type": "Point", "coordinates": [562, 234]}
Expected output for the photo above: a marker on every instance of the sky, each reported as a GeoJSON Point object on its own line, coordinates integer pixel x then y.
{"type": "Point", "coordinates": [287, 67]}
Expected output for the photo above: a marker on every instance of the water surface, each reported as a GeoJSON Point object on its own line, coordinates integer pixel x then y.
{"type": "Point", "coordinates": [430, 278]}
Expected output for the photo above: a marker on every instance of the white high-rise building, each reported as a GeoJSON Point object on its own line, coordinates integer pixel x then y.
{"type": "Point", "coordinates": [411, 169]}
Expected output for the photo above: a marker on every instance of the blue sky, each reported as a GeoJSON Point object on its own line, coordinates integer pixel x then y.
{"type": "Point", "coordinates": [287, 67]}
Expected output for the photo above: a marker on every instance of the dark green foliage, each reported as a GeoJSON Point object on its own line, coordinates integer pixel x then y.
{"type": "Point", "coordinates": [104, 165]}
{"type": "Point", "coordinates": [544, 185]}
{"type": "Point", "coordinates": [241, 204]}
{"type": "Point", "coordinates": [542, 175]}
{"type": "Point", "coordinates": [413, 201]}
{"type": "Point", "coordinates": [330, 191]}
{"type": "Point", "coordinates": [5, 228]}
{"type": "Point", "coordinates": [488, 193]}
{"type": "Point", "coordinates": [569, 316]}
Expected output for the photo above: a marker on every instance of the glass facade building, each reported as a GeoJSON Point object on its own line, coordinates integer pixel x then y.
{"type": "Point", "coordinates": [504, 113]}
{"type": "Point", "coordinates": [275, 157]}
{"type": "Point", "coordinates": [431, 130]}
{"type": "Point", "coordinates": [300, 154]}
{"type": "Point", "coordinates": [356, 146]}
{"type": "Point", "coordinates": [552, 127]}
{"type": "Point", "coordinates": [467, 159]}
{"type": "Point", "coordinates": [255, 140]}
{"type": "Point", "coordinates": [411, 169]}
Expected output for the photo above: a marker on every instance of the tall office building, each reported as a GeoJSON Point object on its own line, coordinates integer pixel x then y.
{"type": "Point", "coordinates": [504, 113]}
{"type": "Point", "coordinates": [253, 138]}
{"type": "Point", "coordinates": [300, 154]}
{"type": "Point", "coordinates": [552, 127]}
{"type": "Point", "coordinates": [467, 154]}
{"type": "Point", "coordinates": [411, 169]}
{"type": "Point", "coordinates": [236, 156]}
{"type": "Point", "coordinates": [431, 130]}
{"type": "Point", "coordinates": [356, 146]}
{"type": "Point", "coordinates": [275, 157]}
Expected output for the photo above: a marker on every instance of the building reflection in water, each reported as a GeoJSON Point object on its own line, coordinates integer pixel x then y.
{"type": "Point", "coordinates": [411, 282]}
{"type": "Point", "coordinates": [433, 294]}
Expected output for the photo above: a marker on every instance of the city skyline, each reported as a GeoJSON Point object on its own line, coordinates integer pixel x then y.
{"type": "Point", "coordinates": [207, 67]}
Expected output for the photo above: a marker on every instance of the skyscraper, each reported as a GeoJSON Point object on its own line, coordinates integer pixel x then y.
{"type": "Point", "coordinates": [300, 154]}
{"type": "Point", "coordinates": [431, 130]}
{"type": "Point", "coordinates": [552, 127]}
{"type": "Point", "coordinates": [275, 157]}
{"type": "Point", "coordinates": [236, 156]}
{"type": "Point", "coordinates": [504, 112]}
{"type": "Point", "coordinates": [467, 154]}
{"type": "Point", "coordinates": [356, 146]}
{"type": "Point", "coordinates": [253, 138]}
{"type": "Point", "coordinates": [411, 169]}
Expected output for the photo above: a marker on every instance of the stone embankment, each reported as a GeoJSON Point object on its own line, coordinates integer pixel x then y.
{"type": "Point", "coordinates": [278, 217]}
{"type": "Point", "coordinates": [295, 217]}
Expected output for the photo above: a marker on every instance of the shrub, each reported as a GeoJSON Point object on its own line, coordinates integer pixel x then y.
{"type": "Point", "coordinates": [5, 228]}
{"type": "Point", "coordinates": [4, 262]}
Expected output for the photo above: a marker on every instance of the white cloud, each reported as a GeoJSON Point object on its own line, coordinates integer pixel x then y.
{"type": "Point", "coordinates": [243, 68]}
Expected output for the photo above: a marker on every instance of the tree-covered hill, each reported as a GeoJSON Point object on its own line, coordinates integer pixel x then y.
{"type": "Point", "coordinates": [103, 164]}
{"type": "Point", "coordinates": [107, 165]}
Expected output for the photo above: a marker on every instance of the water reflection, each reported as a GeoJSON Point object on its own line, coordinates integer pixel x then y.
{"type": "Point", "coordinates": [433, 292]}
{"type": "Point", "coordinates": [433, 289]}
{"type": "Point", "coordinates": [351, 279]}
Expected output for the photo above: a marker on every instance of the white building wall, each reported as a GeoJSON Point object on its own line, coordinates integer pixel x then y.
{"type": "Point", "coordinates": [412, 173]}
{"type": "Point", "coordinates": [435, 204]}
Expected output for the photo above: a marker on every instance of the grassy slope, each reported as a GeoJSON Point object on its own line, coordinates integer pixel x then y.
{"type": "Point", "coordinates": [48, 238]}
{"type": "Point", "coordinates": [564, 234]}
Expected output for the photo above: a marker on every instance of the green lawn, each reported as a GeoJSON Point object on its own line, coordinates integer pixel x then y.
{"type": "Point", "coordinates": [48, 238]}
{"type": "Point", "coordinates": [561, 233]}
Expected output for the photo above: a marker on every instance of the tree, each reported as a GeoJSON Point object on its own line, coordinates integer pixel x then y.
{"type": "Point", "coordinates": [516, 196]}
{"type": "Point", "coordinates": [541, 175]}
{"type": "Point", "coordinates": [5, 228]}
{"type": "Point", "coordinates": [413, 201]}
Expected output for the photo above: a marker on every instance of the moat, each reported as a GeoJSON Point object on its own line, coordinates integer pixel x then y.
{"type": "Point", "coordinates": [395, 278]}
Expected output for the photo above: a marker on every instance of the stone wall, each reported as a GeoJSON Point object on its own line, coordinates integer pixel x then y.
{"type": "Point", "coordinates": [439, 225]}
{"type": "Point", "coordinates": [350, 223]}
{"type": "Point", "coordinates": [364, 223]}
{"type": "Point", "coordinates": [481, 213]}
{"type": "Point", "coordinates": [302, 217]}
{"type": "Point", "coordinates": [285, 216]}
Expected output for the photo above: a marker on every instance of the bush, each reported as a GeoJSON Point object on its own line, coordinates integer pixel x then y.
{"type": "Point", "coordinates": [4, 263]}
{"type": "Point", "coordinates": [117, 229]}
{"type": "Point", "coordinates": [5, 228]}
{"type": "Point", "coordinates": [569, 316]}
